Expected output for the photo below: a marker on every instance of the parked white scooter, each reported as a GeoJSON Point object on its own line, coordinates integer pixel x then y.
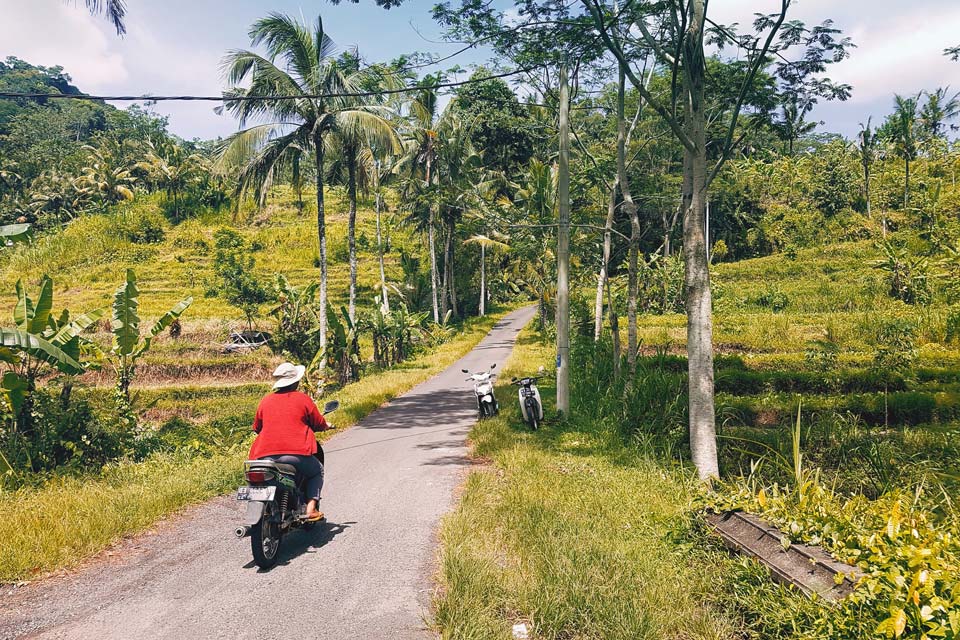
{"type": "Point", "coordinates": [530, 404]}
{"type": "Point", "coordinates": [487, 406]}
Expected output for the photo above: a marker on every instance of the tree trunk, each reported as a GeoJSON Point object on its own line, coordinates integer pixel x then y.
{"type": "Point", "coordinates": [385, 303]}
{"type": "Point", "coordinates": [352, 231]}
{"type": "Point", "coordinates": [563, 249]}
{"type": "Point", "coordinates": [906, 185]}
{"type": "Point", "coordinates": [449, 265]}
{"type": "Point", "coordinates": [322, 238]}
{"type": "Point", "coordinates": [483, 280]}
{"type": "Point", "coordinates": [433, 251]}
{"type": "Point", "coordinates": [703, 440]}
{"type": "Point", "coordinates": [614, 332]}
{"type": "Point", "coordinates": [866, 187]}
{"type": "Point", "coordinates": [445, 285]}
{"type": "Point", "coordinates": [602, 275]}
{"type": "Point", "coordinates": [633, 286]}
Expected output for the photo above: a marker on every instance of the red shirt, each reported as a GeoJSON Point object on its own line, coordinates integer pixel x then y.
{"type": "Point", "coordinates": [285, 424]}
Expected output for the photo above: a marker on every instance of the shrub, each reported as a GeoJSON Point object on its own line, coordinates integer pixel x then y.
{"type": "Point", "coordinates": [773, 298]}
{"type": "Point", "coordinates": [141, 226]}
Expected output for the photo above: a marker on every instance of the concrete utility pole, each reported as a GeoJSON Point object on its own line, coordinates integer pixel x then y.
{"type": "Point", "coordinates": [563, 251]}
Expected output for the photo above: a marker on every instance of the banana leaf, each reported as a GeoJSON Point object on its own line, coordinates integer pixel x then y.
{"type": "Point", "coordinates": [43, 307]}
{"type": "Point", "coordinates": [165, 321]}
{"type": "Point", "coordinates": [14, 233]}
{"type": "Point", "coordinates": [75, 328]}
{"type": "Point", "coordinates": [23, 310]}
{"type": "Point", "coordinates": [37, 347]}
{"type": "Point", "coordinates": [14, 389]}
{"type": "Point", "coordinates": [126, 323]}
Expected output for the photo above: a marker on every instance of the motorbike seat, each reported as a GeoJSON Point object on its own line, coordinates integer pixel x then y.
{"type": "Point", "coordinates": [287, 469]}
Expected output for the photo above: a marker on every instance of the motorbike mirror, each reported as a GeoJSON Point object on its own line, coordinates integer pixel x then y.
{"type": "Point", "coordinates": [493, 366]}
{"type": "Point", "coordinates": [513, 379]}
{"type": "Point", "coordinates": [540, 370]}
{"type": "Point", "coordinates": [331, 406]}
{"type": "Point", "coordinates": [464, 370]}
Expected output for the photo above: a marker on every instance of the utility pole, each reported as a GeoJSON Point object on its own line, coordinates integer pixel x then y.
{"type": "Point", "coordinates": [563, 251]}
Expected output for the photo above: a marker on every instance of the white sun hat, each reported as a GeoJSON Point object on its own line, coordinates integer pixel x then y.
{"type": "Point", "coordinates": [287, 374]}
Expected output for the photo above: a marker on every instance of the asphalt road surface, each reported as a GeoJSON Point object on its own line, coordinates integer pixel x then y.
{"type": "Point", "coordinates": [366, 574]}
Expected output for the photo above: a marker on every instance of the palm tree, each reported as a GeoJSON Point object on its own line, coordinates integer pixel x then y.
{"type": "Point", "coordinates": [299, 63]}
{"type": "Point", "coordinates": [485, 242]}
{"type": "Point", "coordinates": [903, 132]}
{"type": "Point", "coordinates": [939, 108]}
{"type": "Point", "coordinates": [172, 169]}
{"type": "Point", "coordinates": [421, 145]}
{"type": "Point", "coordinates": [354, 136]}
{"type": "Point", "coordinates": [114, 10]}
{"type": "Point", "coordinates": [867, 147]}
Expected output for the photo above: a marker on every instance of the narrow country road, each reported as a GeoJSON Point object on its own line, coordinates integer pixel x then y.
{"type": "Point", "coordinates": [365, 574]}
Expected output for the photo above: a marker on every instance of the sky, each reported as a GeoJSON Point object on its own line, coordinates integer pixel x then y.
{"type": "Point", "coordinates": [175, 46]}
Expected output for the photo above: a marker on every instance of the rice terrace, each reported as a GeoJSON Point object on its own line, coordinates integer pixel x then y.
{"type": "Point", "coordinates": [477, 320]}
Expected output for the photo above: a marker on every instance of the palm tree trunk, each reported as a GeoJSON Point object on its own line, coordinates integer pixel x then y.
{"type": "Point", "coordinates": [866, 186]}
{"type": "Point", "coordinates": [322, 237]}
{"type": "Point", "coordinates": [445, 285]}
{"type": "Point", "coordinates": [483, 279]}
{"type": "Point", "coordinates": [352, 230]}
{"type": "Point", "coordinates": [433, 250]}
{"type": "Point", "coordinates": [906, 185]}
{"type": "Point", "coordinates": [385, 303]}
{"type": "Point", "coordinates": [449, 266]}
{"type": "Point", "coordinates": [604, 264]}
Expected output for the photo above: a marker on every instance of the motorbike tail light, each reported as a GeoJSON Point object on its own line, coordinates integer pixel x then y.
{"type": "Point", "coordinates": [258, 476]}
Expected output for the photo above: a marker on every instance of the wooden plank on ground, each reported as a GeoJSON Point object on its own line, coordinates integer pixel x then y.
{"type": "Point", "coordinates": [809, 568]}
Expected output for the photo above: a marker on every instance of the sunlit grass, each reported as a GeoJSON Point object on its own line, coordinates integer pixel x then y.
{"type": "Point", "coordinates": [572, 533]}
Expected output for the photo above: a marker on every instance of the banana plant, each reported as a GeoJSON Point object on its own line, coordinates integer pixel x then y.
{"type": "Point", "coordinates": [38, 341]}
{"type": "Point", "coordinates": [128, 345]}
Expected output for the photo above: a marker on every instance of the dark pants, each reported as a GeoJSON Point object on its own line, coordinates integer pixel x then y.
{"type": "Point", "coordinates": [308, 468]}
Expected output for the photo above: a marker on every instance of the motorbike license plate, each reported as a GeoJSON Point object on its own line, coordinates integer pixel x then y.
{"type": "Point", "coordinates": [258, 494]}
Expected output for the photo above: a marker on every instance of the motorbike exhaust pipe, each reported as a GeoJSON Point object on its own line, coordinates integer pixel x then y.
{"type": "Point", "coordinates": [242, 532]}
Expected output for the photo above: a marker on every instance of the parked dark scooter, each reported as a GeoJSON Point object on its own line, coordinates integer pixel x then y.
{"type": "Point", "coordinates": [275, 503]}
{"type": "Point", "coordinates": [487, 405]}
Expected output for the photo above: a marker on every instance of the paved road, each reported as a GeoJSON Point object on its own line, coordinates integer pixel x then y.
{"type": "Point", "coordinates": [366, 574]}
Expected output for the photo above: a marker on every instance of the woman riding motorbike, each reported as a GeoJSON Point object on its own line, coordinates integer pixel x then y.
{"type": "Point", "coordinates": [286, 422]}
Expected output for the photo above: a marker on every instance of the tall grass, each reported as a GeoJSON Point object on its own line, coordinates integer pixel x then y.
{"type": "Point", "coordinates": [68, 519]}
{"type": "Point", "coordinates": [573, 533]}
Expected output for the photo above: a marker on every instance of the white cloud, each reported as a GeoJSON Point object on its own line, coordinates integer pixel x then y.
{"type": "Point", "coordinates": [70, 38]}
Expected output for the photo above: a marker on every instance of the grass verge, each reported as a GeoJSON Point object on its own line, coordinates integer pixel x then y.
{"type": "Point", "coordinates": [71, 518]}
{"type": "Point", "coordinates": [573, 533]}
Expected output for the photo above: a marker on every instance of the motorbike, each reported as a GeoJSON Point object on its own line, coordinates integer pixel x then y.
{"type": "Point", "coordinates": [530, 405]}
{"type": "Point", "coordinates": [275, 503]}
{"type": "Point", "coordinates": [487, 406]}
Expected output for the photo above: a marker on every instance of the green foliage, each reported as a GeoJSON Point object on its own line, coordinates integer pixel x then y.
{"type": "Point", "coordinates": [128, 344]}
{"type": "Point", "coordinates": [297, 330]}
{"type": "Point", "coordinates": [908, 552]}
{"type": "Point", "coordinates": [773, 298]}
{"type": "Point", "coordinates": [234, 267]}
{"type": "Point", "coordinates": [908, 276]}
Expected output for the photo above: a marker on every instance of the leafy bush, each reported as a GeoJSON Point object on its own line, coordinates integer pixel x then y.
{"type": "Point", "coordinates": [773, 298]}
{"type": "Point", "coordinates": [910, 556]}
{"type": "Point", "coordinates": [234, 267]}
{"type": "Point", "coordinates": [141, 225]}
{"type": "Point", "coordinates": [907, 276]}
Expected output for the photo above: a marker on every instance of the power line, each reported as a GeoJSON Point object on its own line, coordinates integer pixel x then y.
{"type": "Point", "coordinates": [244, 98]}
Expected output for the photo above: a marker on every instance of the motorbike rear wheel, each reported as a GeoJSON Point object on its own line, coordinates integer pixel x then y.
{"type": "Point", "coordinates": [265, 542]}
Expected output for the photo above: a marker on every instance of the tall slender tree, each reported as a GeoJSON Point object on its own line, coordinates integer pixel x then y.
{"type": "Point", "coordinates": [867, 149]}
{"type": "Point", "coordinates": [299, 62]}
{"type": "Point", "coordinates": [902, 130]}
